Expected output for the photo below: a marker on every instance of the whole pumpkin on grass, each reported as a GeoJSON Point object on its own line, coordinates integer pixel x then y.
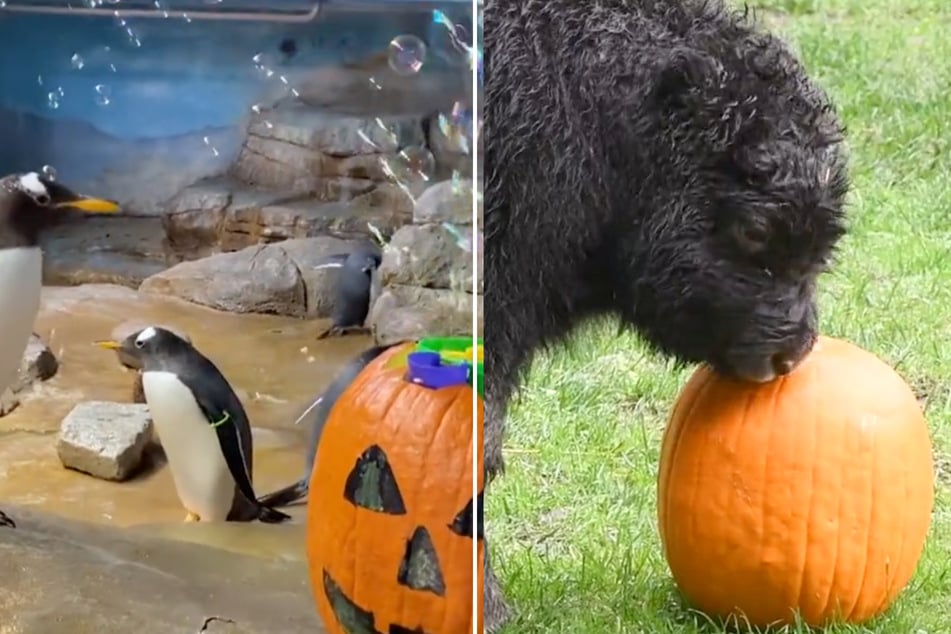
{"type": "Point", "coordinates": [812, 493]}
{"type": "Point", "coordinates": [389, 519]}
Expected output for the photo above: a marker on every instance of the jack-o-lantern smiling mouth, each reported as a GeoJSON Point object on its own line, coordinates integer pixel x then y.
{"type": "Point", "coordinates": [372, 485]}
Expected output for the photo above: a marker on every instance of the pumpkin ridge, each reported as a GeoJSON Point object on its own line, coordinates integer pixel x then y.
{"type": "Point", "coordinates": [838, 547]}
{"type": "Point", "coordinates": [740, 432]}
{"type": "Point", "coordinates": [442, 421]}
{"type": "Point", "coordinates": [813, 446]}
{"type": "Point", "coordinates": [770, 437]}
{"type": "Point", "coordinates": [868, 529]}
{"type": "Point", "coordinates": [680, 424]}
{"type": "Point", "coordinates": [901, 536]}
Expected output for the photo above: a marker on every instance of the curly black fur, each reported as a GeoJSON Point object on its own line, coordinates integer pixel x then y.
{"type": "Point", "coordinates": [664, 161]}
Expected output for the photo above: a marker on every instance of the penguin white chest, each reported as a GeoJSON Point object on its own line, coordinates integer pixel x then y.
{"type": "Point", "coordinates": [21, 275]}
{"type": "Point", "coordinates": [202, 479]}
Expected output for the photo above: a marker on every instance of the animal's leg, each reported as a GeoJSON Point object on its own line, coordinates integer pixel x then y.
{"type": "Point", "coordinates": [192, 517]}
{"type": "Point", "coordinates": [6, 521]}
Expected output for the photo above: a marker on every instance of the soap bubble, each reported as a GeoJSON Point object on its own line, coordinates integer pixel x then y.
{"type": "Point", "coordinates": [382, 135]}
{"type": "Point", "coordinates": [207, 142]}
{"type": "Point", "coordinates": [77, 61]}
{"type": "Point", "coordinates": [53, 99]}
{"type": "Point", "coordinates": [103, 95]}
{"type": "Point", "coordinates": [450, 41]}
{"type": "Point", "coordinates": [407, 54]}
{"type": "Point", "coordinates": [49, 172]}
{"type": "Point", "coordinates": [410, 165]}
{"type": "Point", "coordinates": [454, 126]}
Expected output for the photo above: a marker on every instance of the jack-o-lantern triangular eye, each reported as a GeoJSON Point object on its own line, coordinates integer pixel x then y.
{"type": "Point", "coordinates": [352, 617]}
{"type": "Point", "coordinates": [462, 522]}
{"type": "Point", "coordinates": [372, 485]}
{"type": "Point", "coordinates": [420, 569]}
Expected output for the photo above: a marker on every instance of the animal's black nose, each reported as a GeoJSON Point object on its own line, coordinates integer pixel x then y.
{"type": "Point", "coordinates": [783, 363]}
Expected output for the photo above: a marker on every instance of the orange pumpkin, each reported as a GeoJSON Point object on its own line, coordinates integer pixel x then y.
{"type": "Point", "coordinates": [812, 493]}
{"type": "Point", "coordinates": [389, 537]}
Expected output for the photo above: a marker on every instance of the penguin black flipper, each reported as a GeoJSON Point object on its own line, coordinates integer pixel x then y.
{"type": "Point", "coordinates": [224, 413]}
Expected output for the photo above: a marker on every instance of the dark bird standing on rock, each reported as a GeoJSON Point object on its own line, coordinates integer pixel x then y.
{"type": "Point", "coordinates": [203, 426]}
{"type": "Point", "coordinates": [353, 290]}
{"type": "Point", "coordinates": [29, 203]}
{"type": "Point", "coordinates": [317, 413]}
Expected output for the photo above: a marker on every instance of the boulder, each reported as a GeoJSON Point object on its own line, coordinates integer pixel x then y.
{"type": "Point", "coordinates": [409, 312]}
{"type": "Point", "coordinates": [38, 364]}
{"type": "Point", "coordinates": [445, 201]}
{"type": "Point", "coordinates": [277, 279]}
{"type": "Point", "coordinates": [225, 215]}
{"type": "Point", "coordinates": [70, 577]}
{"type": "Point", "coordinates": [9, 401]}
{"type": "Point", "coordinates": [431, 256]}
{"type": "Point", "coordinates": [104, 439]}
{"type": "Point", "coordinates": [450, 142]}
{"type": "Point", "coordinates": [300, 149]}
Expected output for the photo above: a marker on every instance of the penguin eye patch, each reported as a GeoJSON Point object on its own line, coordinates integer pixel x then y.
{"type": "Point", "coordinates": [42, 199]}
{"type": "Point", "coordinates": [139, 343]}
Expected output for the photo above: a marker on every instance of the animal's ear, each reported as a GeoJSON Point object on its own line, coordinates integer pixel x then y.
{"type": "Point", "coordinates": [683, 77]}
{"type": "Point", "coordinates": [698, 98]}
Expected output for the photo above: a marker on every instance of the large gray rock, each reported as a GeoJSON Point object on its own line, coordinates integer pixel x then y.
{"type": "Point", "coordinates": [104, 439]}
{"type": "Point", "coordinates": [429, 255]}
{"type": "Point", "coordinates": [451, 145]}
{"type": "Point", "coordinates": [277, 278]}
{"type": "Point", "coordinates": [64, 577]}
{"type": "Point", "coordinates": [410, 312]}
{"type": "Point", "coordinates": [445, 201]}
{"type": "Point", "coordinates": [299, 149]}
{"type": "Point", "coordinates": [38, 364]}
{"type": "Point", "coordinates": [225, 215]}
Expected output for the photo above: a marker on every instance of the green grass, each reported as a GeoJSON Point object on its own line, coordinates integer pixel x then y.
{"type": "Point", "coordinates": [573, 520]}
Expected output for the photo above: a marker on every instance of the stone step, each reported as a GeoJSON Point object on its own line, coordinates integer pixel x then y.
{"type": "Point", "coordinates": [223, 214]}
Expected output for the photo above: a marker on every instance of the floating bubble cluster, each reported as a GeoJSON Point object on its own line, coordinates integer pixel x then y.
{"type": "Point", "coordinates": [103, 95]}
{"type": "Point", "coordinates": [54, 98]}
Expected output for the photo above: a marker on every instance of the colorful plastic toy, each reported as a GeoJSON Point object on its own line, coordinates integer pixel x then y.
{"type": "Point", "coordinates": [439, 362]}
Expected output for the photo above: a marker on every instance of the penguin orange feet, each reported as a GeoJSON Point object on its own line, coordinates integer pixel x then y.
{"type": "Point", "coordinates": [6, 521]}
{"type": "Point", "coordinates": [192, 517]}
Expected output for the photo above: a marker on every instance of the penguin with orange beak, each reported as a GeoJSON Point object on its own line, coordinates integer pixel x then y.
{"type": "Point", "coordinates": [29, 203]}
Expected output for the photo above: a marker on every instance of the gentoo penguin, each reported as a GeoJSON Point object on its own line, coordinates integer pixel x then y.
{"type": "Point", "coordinates": [353, 290]}
{"type": "Point", "coordinates": [316, 415]}
{"type": "Point", "coordinates": [29, 203]}
{"type": "Point", "coordinates": [204, 430]}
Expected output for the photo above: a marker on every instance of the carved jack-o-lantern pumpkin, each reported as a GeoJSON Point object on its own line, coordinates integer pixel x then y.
{"type": "Point", "coordinates": [389, 520]}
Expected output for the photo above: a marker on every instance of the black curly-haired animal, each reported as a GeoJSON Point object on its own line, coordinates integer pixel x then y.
{"type": "Point", "coordinates": [664, 161]}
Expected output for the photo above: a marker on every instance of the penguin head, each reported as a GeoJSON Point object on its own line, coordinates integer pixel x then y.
{"type": "Point", "coordinates": [147, 348]}
{"type": "Point", "coordinates": [30, 202]}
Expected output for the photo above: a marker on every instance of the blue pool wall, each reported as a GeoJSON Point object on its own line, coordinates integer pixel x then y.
{"type": "Point", "coordinates": [173, 86]}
